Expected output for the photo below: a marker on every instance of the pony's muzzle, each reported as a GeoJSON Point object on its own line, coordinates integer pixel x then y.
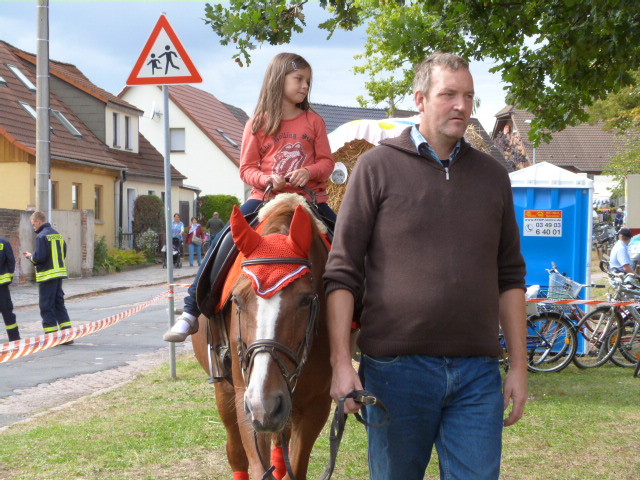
{"type": "Point", "coordinates": [268, 412]}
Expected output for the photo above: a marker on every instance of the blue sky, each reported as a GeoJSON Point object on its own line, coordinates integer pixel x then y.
{"type": "Point", "coordinates": [104, 40]}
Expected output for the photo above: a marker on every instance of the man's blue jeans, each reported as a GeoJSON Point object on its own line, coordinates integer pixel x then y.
{"type": "Point", "coordinates": [454, 402]}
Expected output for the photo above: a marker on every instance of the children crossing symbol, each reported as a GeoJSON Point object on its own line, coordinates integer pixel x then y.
{"type": "Point", "coordinates": [164, 60]}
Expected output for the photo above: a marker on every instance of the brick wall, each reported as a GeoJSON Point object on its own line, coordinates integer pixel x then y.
{"type": "Point", "coordinates": [10, 229]}
{"type": "Point", "coordinates": [77, 227]}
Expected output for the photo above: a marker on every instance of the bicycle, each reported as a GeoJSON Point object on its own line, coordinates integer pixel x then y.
{"type": "Point", "coordinates": [551, 341]}
{"type": "Point", "coordinates": [626, 288]}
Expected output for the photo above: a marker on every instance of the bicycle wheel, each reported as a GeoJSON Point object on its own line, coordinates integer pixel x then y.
{"type": "Point", "coordinates": [551, 342]}
{"type": "Point", "coordinates": [597, 337]}
{"type": "Point", "coordinates": [626, 355]}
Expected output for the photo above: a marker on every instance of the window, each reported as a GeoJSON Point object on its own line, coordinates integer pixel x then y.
{"type": "Point", "coordinates": [29, 108]}
{"type": "Point", "coordinates": [22, 77]}
{"type": "Point", "coordinates": [54, 195]}
{"type": "Point", "coordinates": [151, 192]}
{"type": "Point", "coordinates": [177, 140]}
{"type": "Point", "coordinates": [75, 196]}
{"type": "Point", "coordinates": [162, 196]}
{"type": "Point", "coordinates": [227, 138]}
{"type": "Point", "coordinates": [116, 133]}
{"type": "Point", "coordinates": [98, 202]}
{"type": "Point", "coordinates": [127, 132]}
{"type": "Point", "coordinates": [67, 124]}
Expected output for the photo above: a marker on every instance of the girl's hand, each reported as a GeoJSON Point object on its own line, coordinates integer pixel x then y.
{"type": "Point", "coordinates": [277, 181]}
{"type": "Point", "coordinates": [299, 178]}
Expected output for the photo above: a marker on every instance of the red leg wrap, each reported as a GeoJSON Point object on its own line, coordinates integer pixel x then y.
{"type": "Point", "coordinates": [241, 475]}
{"type": "Point", "coordinates": [277, 459]}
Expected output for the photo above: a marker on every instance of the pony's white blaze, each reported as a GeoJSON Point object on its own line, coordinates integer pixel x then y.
{"type": "Point", "coordinates": [268, 311]}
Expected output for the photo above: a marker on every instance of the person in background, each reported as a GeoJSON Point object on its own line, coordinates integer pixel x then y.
{"type": "Point", "coordinates": [7, 268]}
{"type": "Point", "coordinates": [177, 232]}
{"type": "Point", "coordinates": [417, 206]}
{"type": "Point", "coordinates": [285, 146]}
{"type": "Point", "coordinates": [214, 225]}
{"type": "Point", "coordinates": [619, 259]}
{"type": "Point", "coordinates": [49, 261]}
{"type": "Point", "coordinates": [195, 239]}
{"type": "Point", "coordinates": [618, 220]}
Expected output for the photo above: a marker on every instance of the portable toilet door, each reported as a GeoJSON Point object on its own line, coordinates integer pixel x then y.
{"type": "Point", "coordinates": [553, 210]}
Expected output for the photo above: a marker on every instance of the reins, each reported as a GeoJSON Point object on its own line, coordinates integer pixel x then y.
{"type": "Point", "coordinates": [338, 424]}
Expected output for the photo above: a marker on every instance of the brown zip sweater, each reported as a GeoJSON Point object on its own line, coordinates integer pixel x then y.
{"type": "Point", "coordinates": [437, 251]}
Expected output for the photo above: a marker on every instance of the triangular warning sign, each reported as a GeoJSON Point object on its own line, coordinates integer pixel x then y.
{"type": "Point", "coordinates": [164, 60]}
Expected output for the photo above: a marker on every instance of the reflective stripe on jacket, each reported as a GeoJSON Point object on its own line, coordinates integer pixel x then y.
{"type": "Point", "coordinates": [50, 254]}
{"type": "Point", "coordinates": [7, 262]}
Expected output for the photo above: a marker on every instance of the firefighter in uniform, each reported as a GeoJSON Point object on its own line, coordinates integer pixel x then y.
{"type": "Point", "coordinates": [7, 267]}
{"type": "Point", "coordinates": [48, 259]}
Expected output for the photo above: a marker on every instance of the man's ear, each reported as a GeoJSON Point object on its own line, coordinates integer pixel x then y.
{"type": "Point", "coordinates": [419, 98]}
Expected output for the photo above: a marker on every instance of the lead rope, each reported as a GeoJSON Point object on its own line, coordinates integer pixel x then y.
{"type": "Point", "coordinates": [362, 397]}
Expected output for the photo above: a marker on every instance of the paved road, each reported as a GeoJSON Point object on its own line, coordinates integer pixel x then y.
{"type": "Point", "coordinates": [64, 373]}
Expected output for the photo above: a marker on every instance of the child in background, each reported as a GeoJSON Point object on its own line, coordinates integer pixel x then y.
{"type": "Point", "coordinates": [285, 140]}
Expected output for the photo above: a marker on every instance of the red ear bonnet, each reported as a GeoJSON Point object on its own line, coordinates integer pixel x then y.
{"type": "Point", "coordinates": [245, 237]}
{"type": "Point", "coordinates": [269, 278]}
{"type": "Point", "coordinates": [300, 232]}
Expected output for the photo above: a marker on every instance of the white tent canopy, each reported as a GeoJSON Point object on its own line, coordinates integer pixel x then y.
{"type": "Point", "coordinates": [370, 130]}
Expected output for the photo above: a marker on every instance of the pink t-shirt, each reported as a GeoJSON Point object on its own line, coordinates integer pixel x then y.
{"type": "Point", "coordinates": [300, 142]}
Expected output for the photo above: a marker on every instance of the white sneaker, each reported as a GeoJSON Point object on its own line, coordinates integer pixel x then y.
{"type": "Point", "coordinates": [186, 325]}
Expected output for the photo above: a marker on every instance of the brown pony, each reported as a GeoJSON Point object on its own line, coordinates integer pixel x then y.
{"type": "Point", "coordinates": [276, 326]}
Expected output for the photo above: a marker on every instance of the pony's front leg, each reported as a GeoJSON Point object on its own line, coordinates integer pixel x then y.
{"type": "Point", "coordinates": [307, 423]}
{"type": "Point", "coordinates": [249, 439]}
{"type": "Point", "coordinates": [225, 399]}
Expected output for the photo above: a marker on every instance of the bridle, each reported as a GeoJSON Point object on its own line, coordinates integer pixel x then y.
{"type": "Point", "coordinates": [274, 348]}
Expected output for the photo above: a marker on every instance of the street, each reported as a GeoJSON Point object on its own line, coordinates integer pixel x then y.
{"type": "Point", "coordinates": [101, 360]}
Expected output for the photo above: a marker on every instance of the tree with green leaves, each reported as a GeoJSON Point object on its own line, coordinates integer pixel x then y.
{"type": "Point", "coordinates": [620, 111]}
{"type": "Point", "coordinates": [556, 56]}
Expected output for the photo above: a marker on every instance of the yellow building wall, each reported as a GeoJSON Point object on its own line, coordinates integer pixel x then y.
{"type": "Point", "coordinates": [16, 185]}
{"type": "Point", "coordinates": [87, 180]}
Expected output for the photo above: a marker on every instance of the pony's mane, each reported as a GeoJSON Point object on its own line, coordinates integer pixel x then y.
{"type": "Point", "coordinates": [280, 210]}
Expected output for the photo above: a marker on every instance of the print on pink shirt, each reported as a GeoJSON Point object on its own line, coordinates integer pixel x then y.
{"type": "Point", "coordinates": [289, 158]}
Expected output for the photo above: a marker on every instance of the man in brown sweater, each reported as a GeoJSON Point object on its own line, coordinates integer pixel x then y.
{"type": "Point", "coordinates": [431, 222]}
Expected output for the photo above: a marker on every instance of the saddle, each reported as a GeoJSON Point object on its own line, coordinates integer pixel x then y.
{"type": "Point", "coordinates": [220, 273]}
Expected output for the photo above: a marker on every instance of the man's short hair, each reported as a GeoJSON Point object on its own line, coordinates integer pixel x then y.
{"type": "Point", "coordinates": [625, 232]}
{"type": "Point", "coordinates": [40, 216]}
{"type": "Point", "coordinates": [422, 78]}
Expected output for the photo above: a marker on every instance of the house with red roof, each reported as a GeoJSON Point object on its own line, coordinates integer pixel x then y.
{"type": "Point", "coordinates": [100, 161]}
{"type": "Point", "coordinates": [205, 135]}
{"type": "Point", "coordinates": [585, 148]}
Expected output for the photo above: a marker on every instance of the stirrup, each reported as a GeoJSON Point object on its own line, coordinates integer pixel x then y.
{"type": "Point", "coordinates": [219, 363]}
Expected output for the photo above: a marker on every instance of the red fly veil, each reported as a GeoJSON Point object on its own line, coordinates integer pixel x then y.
{"type": "Point", "coordinates": [269, 279]}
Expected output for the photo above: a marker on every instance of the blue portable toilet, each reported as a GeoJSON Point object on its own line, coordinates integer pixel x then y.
{"type": "Point", "coordinates": [553, 210]}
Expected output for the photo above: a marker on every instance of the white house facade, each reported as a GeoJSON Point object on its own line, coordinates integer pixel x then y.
{"type": "Point", "coordinates": [205, 136]}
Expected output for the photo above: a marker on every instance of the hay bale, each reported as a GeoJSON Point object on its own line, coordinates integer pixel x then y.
{"type": "Point", "coordinates": [347, 154]}
{"type": "Point", "coordinates": [351, 151]}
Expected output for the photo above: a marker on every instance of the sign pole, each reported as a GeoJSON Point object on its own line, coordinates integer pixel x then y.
{"type": "Point", "coordinates": [167, 229]}
{"type": "Point", "coordinates": [164, 61]}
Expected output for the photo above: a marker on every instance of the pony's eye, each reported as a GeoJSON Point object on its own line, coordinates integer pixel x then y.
{"type": "Point", "coordinates": [306, 300]}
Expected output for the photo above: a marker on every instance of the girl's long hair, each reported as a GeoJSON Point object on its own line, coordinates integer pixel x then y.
{"type": "Point", "coordinates": [268, 112]}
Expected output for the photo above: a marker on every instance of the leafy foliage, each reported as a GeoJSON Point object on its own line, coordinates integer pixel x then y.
{"type": "Point", "coordinates": [100, 254]}
{"type": "Point", "coordinates": [147, 242]}
{"type": "Point", "coordinates": [556, 56]}
{"type": "Point", "coordinates": [148, 213]}
{"type": "Point", "coordinates": [107, 260]}
{"type": "Point", "coordinates": [621, 111]}
{"type": "Point", "coordinates": [223, 204]}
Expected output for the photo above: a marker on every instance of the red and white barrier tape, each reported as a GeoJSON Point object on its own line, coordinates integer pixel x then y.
{"type": "Point", "coordinates": [583, 302]}
{"type": "Point", "coordinates": [27, 346]}
{"type": "Point", "coordinates": [186, 285]}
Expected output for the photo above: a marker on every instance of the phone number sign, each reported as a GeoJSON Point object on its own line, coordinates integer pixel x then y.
{"type": "Point", "coordinates": [543, 223]}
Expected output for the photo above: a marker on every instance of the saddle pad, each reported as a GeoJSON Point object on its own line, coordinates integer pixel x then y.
{"type": "Point", "coordinates": [236, 270]}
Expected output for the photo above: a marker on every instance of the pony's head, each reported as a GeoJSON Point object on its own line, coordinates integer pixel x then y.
{"type": "Point", "coordinates": [276, 309]}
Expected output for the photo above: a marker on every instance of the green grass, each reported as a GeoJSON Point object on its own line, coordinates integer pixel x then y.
{"type": "Point", "coordinates": [579, 425]}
